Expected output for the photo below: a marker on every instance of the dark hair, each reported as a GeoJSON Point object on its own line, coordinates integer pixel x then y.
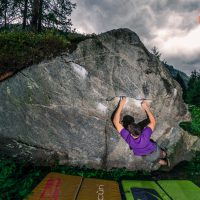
{"type": "Point", "coordinates": [127, 119]}
{"type": "Point", "coordinates": [134, 129]}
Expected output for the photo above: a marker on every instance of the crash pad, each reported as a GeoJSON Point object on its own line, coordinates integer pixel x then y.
{"type": "Point", "coordinates": [99, 189]}
{"type": "Point", "coordinates": [56, 186]}
{"type": "Point", "coordinates": [135, 190]}
{"type": "Point", "coordinates": [180, 189]}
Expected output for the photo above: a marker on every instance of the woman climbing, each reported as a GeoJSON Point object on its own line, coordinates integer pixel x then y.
{"type": "Point", "coordinates": [138, 140]}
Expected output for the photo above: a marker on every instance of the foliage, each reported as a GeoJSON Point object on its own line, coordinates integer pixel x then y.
{"type": "Point", "coordinates": [22, 48]}
{"type": "Point", "coordinates": [193, 167]}
{"type": "Point", "coordinates": [193, 127]}
{"type": "Point", "coordinates": [156, 52]}
{"type": "Point", "coordinates": [37, 14]}
{"type": "Point", "coordinates": [192, 97]}
{"type": "Point", "coordinates": [180, 80]}
{"type": "Point", "coordinates": [17, 180]}
{"type": "Point", "coordinates": [14, 182]}
{"type": "Point", "coordinates": [55, 14]}
{"type": "Point", "coordinates": [75, 38]}
{"type": "Point", "coordinates": [8, 11]}
{"type": "Point", "coordinates": [193, 92]}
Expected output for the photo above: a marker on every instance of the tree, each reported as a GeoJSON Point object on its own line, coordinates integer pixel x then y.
{"type": "Point", "coordinates": [55, 14]}
{"type": "Point", "coordinates": [51, 14]}
{"type": "Point", "coordinates": [11, 11]}
{"type": "Point", "coordinates": [3, 12]}
{"type": "Point", "coordinates": [37, 13]}
{"type": "Point", "coordinates": [25, 12]}
{"type": "Point", "coordinates": [156, 52]}
{"type": "Point", "coordinates": [182, 84]}
{"type": "Point", "coordinates": [193, 92]}
{"type": "Point", "coordinates": [40, 16]}
{"type": "Point", "coordinates": [8, 12]}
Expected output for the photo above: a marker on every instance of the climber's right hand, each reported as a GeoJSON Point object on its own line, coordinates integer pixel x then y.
{"type": "Point", "coordinates": [122, 101]}
{"type": "Point", "coordinates": [145, 105]}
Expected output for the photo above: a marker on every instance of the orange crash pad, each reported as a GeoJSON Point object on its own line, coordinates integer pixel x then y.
{"type": "Point", "coordinates": [56, 186]}
{"type": "Point", "coordinates": [97, 189]}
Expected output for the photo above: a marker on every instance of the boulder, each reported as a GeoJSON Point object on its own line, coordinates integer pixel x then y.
{"type": "Point", "coordinates": [60, 110]}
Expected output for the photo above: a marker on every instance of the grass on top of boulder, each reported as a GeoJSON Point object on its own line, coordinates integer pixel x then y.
{"type": "Point", "coordinates": [20, 49]}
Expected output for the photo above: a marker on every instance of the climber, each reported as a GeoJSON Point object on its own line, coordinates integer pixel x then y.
{"type": "Point", "coordinates": [138, 140]}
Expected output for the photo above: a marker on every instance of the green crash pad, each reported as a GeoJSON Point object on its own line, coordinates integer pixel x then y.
{"type": "Point", "coordinates": [140, 190]}
{"type": "Point", "coordinates": [180, 189]}
{"type": "Point", "coordinates": [164, 190]}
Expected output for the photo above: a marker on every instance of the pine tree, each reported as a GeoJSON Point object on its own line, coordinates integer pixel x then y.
{"type": "Point", "coordinates": [38, 13]}
{"type": "Point", "coordinates": [25, 13]}
{"type": "Point", "coordinates": [51, 14]}
{"type": "Point", "coordinates": [8, 12]}
{"type": "Point", "coordinates": [156, 52]}
{"type": "Point", "coordinates": [55, 14]}
{"type": "Point", "coordinates": [182, 84]}
{"type": "Point", "coordinates": [35, 15]}
{"type": "Point", "coordinates": [193, 92]}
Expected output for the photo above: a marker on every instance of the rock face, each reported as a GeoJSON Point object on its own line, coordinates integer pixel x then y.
{"type": "Point", "coordinates": [57, 110]}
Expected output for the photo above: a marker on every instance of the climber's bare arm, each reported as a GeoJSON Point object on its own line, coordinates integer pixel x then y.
{"type": "Point", "coordinates": [116, 119]}
{"type": "Point", "coordinates": [152, 119]}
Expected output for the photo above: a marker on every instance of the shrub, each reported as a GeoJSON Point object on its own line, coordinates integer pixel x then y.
{"type": "Point", "coordinates": [193, 127]}
{"type": "Point", "coordinates": [20, 49]}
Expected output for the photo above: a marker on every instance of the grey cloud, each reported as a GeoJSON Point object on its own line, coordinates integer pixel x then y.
{"type": "Point", "coordinates": [178, 5]}
{"type": "Point", "coordinates": [137, 14]}
{"type": "Point", "coordinates": [195, 63]}
{"type": "Point", "coordinates": [184, 65]}
{"type": "Point", "coordinates": [143, 17]}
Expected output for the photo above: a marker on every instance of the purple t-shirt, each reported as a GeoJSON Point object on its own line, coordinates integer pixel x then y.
{"type": "Point", "coordinates": [142, 145]}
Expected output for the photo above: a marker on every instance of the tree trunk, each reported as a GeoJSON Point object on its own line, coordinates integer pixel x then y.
{"type": "Point", "coordinates": [25, 14]}
{"type": "Point", "coordinates": [35, 15]}
{"type": "Point", "coordinates": [40, 16]}
{"type": "Point", "coordinates": [5, 14]}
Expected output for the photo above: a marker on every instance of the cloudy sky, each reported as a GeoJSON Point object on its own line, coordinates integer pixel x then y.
{"type": "Point", "coordinates": [170, 25]}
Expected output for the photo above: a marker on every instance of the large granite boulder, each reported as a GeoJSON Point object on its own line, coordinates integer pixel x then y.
{"type": "Point", "coordinates": [58, 110]}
